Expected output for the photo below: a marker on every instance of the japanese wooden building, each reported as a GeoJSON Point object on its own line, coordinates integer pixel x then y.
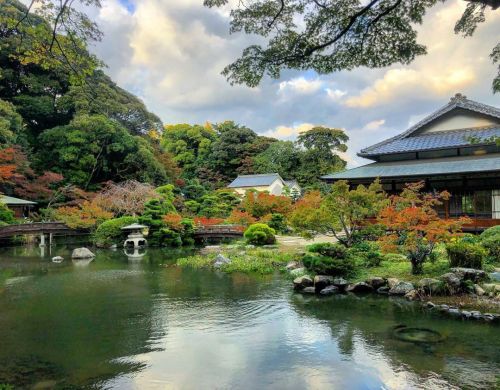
{"type": "Point", "coordinates": [454, 149]}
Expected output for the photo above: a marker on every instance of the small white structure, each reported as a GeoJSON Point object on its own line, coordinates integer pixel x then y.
{"type": "Point", "coordinates": [269, 182]}
{"type": "Point", "coordinates": [135, 237]}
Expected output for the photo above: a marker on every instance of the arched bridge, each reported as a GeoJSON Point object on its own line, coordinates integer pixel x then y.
{"type": "Point", "coordinates": [38, 228]}
{"type": "Point", "coordinates": [219, 231]}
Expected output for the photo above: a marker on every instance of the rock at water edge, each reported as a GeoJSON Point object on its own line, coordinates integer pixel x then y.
{"type": "Point", "coordinates": [82, 253]}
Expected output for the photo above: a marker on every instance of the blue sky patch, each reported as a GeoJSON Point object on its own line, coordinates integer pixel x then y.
{"type": "Point", "coordinates": [128, 4]}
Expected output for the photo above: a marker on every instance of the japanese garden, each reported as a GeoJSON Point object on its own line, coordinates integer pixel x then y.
{"type": "Point", "coordinates": [141, 252]}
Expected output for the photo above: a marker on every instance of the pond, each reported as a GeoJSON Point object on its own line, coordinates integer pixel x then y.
{"type": "Point", "coordinates": [114, 323]}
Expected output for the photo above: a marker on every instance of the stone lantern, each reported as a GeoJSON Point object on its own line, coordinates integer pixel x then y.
{"type": "Point", "coordinates": [135, 237]}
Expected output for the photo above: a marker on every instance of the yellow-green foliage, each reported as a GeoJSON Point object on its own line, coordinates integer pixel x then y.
{"type": "Point", "coordinates": [252, 261]}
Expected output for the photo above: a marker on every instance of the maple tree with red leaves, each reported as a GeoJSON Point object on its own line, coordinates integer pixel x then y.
{"type": "Point", "coordinates": [258, 204]}
{"type": "Point", "coordinates": [414, 226]}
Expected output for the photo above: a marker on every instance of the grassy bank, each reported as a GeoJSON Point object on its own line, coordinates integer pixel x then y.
{"type": "Point", "coordinates": [257, 260]}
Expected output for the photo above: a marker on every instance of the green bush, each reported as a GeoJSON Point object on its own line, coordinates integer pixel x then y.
{"type": "Point", "coordinates": [466, 254]}
{"type": "Point", "coordinates": [168, 237]}
{"type": "Point", "coordinates": [492, 245]}
{"type": "Point", "coordinates": [110, 232]}
{"type": "Point", "coordinates": [492, 231]}
{"type": "Point", "coordinates": [325, 265]}
{"type": "Point", "coordinates": [6, 214]}
{"type": "Point", "coordinates": [328, 249]}
{"type": "Point", "coordinates": [368, 252]}
{"type": "Point", "coordinates": [278, 223]}
{"type": "Point", "coordinates": [260, 234]}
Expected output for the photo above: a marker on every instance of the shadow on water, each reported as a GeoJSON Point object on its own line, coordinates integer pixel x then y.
{"type": "Point", "coordinates": [117, 322]}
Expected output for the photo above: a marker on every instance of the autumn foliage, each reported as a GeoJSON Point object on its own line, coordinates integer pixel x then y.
{"type": "Point", "coordinates": [87, 215]}
{"type": "Point", "coordinates": [204, 221]}
{"type": "Point", "coordinates": [258, 204]}
{"type": "Point", "coordinates": [414, 226]}
{"type": "Point", "coordinates": [241, 218]}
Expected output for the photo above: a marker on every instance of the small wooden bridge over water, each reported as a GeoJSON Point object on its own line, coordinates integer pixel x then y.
{"type": "Point", "coordinates": [218, 232]}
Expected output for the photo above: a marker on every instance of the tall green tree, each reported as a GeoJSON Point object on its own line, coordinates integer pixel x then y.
{"type": "Point", "coordinates": [100, 95]}
{"type": "Point", "coordinates": [321, 146]}
{"type": "Point", "coordinates": [95, 149]}
{"type": "Point", "coordinates": [283, 157]}
{"type": "Point", "coordinates": [333, 35]}
{"type": "Point", "coordinates": [189, 145]}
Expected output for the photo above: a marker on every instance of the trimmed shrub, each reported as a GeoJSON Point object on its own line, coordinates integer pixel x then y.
{"type": "Point", "coordinates": [260, 234]}
{"type": "Point", "coordinates": [169, 237]}
{"type": "Point", "coordinates": [110, 232]}
{"type": "Point", "coordinates": [492, 245]}
{"type": "Point", "coordinates": [368, 252]}
{"type": "Point", "coordinates": [466, 254]}
{"type": "Point", "coordinates": [325, 265]}
{"type": "Point", "coordinates": [328, 249]}
{"type": "Point", "coordinates": [492, 231]}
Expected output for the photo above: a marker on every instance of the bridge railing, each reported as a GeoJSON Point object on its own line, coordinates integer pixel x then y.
{"type": "Point", "coordinates": [219, 229]}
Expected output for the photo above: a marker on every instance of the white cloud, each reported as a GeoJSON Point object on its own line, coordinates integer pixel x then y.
{"type": "Point", "coordinates": [288, 132]}
{"type": "Point", "coordinates": [335, 94]}
{"type": "Point", "coordinates": [171, 55]}
{"type": "Point", "coordinates": [300, 85]}
{"type": "Point", "coordinates": [374, 125]}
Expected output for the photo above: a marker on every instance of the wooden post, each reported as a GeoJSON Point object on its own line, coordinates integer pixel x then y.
{"type": "Point", "coordinates": [50, 239]}
{"type": "Point", "coordinates": [42, 240]}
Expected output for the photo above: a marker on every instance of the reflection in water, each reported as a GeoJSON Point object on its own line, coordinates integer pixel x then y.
{"type": "Point", "coordinates": [150, 324]}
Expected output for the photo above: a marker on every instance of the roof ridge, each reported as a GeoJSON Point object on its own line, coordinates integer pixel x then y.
{"type": "Point", "coordinates": [260, 174]}
{"type": "Point", "coordinates": [443, 132]}
{"type": "Point", "coordinates": [457, 101]}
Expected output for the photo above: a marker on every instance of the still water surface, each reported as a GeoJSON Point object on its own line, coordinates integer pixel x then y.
{"type": "Point", "coordinates": [120, 324]}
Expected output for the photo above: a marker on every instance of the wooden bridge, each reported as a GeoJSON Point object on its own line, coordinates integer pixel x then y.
{"type": "Point", "coordinates": [41, 229]}
{"type": "Point", "coordinates": [219, 231]}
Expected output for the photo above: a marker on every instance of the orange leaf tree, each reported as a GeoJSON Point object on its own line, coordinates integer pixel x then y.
{"type": "Point", "coordinates": [87, 215]}
{"type": "Point", "coordinates": [414, 226]}
{"type": "Point", "coordinates": [258, 204]}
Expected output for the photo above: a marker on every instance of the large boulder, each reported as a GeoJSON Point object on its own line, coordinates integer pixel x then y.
{"type": "Point", "coordinates": [82, 253]}
{"type": "Point", "coordinates": [391, 282]}
{"type": "Point", "coordinates": [329, 290]}
{"type": "Point", "coordinates": [302, 282]}
{"type": "Point", "coordinates": [308, 290]}
{"type": "Point", "coordinates": [221, 260]}
{"type": "Point", "coordinates": [474, 275]}
{"type": "Point", "coordinates": [321, 281]}
{"type": "Point", "coordinates": [452, 281]}
{"type": "Point", "coordinates": [292, 265]}
{"type": "Point", "coordinates": [376, 282]}
{"type": "Point", "coordinates": [360, 287]}
{"type": "Point", "coordinates": [401, 288]}
{"type": "Point", "coordinates": [431, 286]}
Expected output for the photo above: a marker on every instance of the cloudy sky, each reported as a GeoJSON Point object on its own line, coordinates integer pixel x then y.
{"type": "Point", "coordinates": [171, 53]}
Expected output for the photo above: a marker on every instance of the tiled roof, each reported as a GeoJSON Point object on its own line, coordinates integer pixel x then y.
{"type": "Point", "coordinates": [405, 142]}
{"type": "Point", "coordinates": [437, 140]}
{"type": "Point", "coordinates": [254, 180]}
{"type": "Point", "coordinates": [427, 167]}
{"type": "Point", "coordinates": [9, 200]}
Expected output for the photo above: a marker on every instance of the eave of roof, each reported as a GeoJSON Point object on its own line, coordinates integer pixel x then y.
{"type": "Point", "coordinates": [416, 168]}
{"type": "Point", "coordinates": [10, 200]}
{"type": "Point", "coordinates": [458, 101]}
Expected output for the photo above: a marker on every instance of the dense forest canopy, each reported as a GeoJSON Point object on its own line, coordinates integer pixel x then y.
{"type": "Point", "coordinates": [65, 124]}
